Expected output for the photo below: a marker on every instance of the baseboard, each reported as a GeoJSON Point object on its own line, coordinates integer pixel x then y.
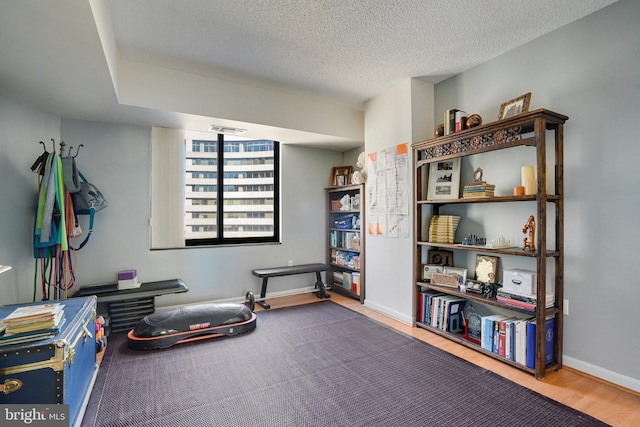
{"type": "Point", "coordinates": [601, 373]}
{"type": "Point", "coordinates": [391, 313]}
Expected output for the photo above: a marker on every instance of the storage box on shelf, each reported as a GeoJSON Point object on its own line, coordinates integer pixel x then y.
{"type": "Point", "coordinates": [544, 307]}
{"type": "Point", "coordinates": [345, 240]}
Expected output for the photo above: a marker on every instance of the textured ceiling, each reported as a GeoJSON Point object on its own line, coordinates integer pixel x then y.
{"type": "Point", "coordinates": [350, 50]}
{"type": "Point", "coordinates": [64, 57]}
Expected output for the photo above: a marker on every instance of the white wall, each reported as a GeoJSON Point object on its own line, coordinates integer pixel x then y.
{"type": "Point", "coordinates": [389, 119]}
{"type": "Point", "coordinates": [590, 71]}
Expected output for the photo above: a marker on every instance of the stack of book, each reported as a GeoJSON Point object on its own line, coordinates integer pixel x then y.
{"type": "Point", "coordinates": [443, 228]}
{"type": "Point", "coordinates": [31, 323]}
{"type": "Point", "coordinates": [478, 190]}
{"type": "Point", "coordinates": [528, 302]}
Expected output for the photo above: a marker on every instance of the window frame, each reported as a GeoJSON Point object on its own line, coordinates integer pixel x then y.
{"type": "Point", "coordinates": [220, 239]}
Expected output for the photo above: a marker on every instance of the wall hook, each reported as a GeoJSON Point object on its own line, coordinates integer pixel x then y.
{"type": "Point", "coordinates": [77, 151]}
{"type": "Point", "coordinates": [44, 147]}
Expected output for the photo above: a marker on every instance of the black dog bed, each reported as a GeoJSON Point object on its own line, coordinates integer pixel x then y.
{"type": "Point", "coordinates": [191, 323]}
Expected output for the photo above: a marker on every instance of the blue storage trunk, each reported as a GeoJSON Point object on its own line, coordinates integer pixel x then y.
{"type": "Point", "coordinates": [58, 370]}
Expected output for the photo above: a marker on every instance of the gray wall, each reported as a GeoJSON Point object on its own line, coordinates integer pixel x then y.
{"type": "Point", "coordinates": [21, 128]}
{"type": "Point", "coordinates": [116, 159]}
{"type": "Point", "coordinates": [589, 71]}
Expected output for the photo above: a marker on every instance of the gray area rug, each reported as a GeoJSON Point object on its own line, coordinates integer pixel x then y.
{"type": "Point", "coordinates": [313, 365]}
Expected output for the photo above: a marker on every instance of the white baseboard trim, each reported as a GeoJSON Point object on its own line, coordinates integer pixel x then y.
{"type": "Point", "coordinates": [286, 293]}
{"type": "Point", "coordinates": [386, 311]}
{"type": "Point", "coordinates": [605, 374]}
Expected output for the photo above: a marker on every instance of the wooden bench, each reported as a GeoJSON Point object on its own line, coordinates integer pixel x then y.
{"type": "Point", "coordinates": [266, 273]}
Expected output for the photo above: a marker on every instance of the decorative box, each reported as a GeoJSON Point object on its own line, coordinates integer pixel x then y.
{"type": "Point", "coordinates": [128, 279]}
{"type": "Point", "coordinates": [520, 282]}
{"type": "Point", "coordinates": [61, 369]}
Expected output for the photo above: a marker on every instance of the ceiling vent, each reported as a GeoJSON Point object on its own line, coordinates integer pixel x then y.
{"type": "Point", "coordinates": [224, 129]}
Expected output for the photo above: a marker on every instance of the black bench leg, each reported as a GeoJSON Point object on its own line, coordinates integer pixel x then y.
{"type": "Point", "coordinates": [263, 293]}
{"type": "Point", "coordinates": [322, 289]}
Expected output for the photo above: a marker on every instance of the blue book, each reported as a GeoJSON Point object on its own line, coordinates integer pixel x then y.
{"type": "Point", "coordinates": [487, 330]}
{"type": "Point", "coordinates": [550, 327]}
{"type": "Point", "coordinates": [512, 340]}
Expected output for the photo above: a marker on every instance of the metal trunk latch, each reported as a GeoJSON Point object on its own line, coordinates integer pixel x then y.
{"type": "Point", "coordinates": [10, 385]}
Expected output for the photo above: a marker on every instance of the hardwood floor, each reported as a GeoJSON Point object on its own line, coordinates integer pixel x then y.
{"type": "Point", "coordinates": [607, 402]}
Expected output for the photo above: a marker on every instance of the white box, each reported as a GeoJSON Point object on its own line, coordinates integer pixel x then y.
{"type": "Point", "coordinates": [520, 282]}
{"type": "Point", "coordinates": [129, 283]}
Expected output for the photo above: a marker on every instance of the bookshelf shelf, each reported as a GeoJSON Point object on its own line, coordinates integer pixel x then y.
{"type": "Point", "coordinates": [530, 130]}
{"type": "Point", "coordinates": [345, 241]}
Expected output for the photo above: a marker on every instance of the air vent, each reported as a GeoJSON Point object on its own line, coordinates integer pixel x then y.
{"type": "Point", "coordinates": [224, 129]}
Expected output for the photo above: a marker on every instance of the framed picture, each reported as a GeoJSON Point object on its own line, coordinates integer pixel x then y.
{"type": "Point", "coordinates": [474, 286]}
{"type": "Point", "coordinates": [487, 268]}
{"type": "Point", "coordinates": [444, 258]}
{"type": "Point", "coordinates": [444, 180]}
{"type": "Point", "coordinates": [460, 272]}
{"type": "Point", "coordinates": [429, 269]}
{"type": "Point", "coordinates": [340, 176]}
{"type": "Point", "coordinates": [515, 106]}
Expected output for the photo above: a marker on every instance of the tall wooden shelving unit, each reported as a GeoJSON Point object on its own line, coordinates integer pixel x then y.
{"type": "Point", "coordinates": [527, 129]}
{"type": "Point", "coordinates": [345, 245]}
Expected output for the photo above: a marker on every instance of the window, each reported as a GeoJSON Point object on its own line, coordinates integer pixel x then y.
{"type": "Point", "coordinates": [247, 208]}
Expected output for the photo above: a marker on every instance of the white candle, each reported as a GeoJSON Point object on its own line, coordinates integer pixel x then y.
{"type": "Point", "coordinates": [530, 187]}
{"type": "Point", "coordinates": [526, 173]}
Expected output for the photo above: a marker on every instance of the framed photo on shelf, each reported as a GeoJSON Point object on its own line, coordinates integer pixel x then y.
{"type": "Point", "coordinates": [429, 269]}
{"type": "Point", "coordinates": [444, 180]}
{"type": "Point", "coordinates": [487, 268]}
{"type": "Point", "coordinates": [460, 272]}
{"type": "Point", "coordinates": [444, 258]}
{"type": "Point", "coordinates": [515, 106]}
{"type": "Point", "coordinates": [340, 176]}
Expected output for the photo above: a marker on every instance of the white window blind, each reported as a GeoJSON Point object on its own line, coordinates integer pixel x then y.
{"type": "Point", "coordinates": [167, 188]}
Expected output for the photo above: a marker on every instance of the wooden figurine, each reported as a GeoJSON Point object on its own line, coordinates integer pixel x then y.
{"type": "Point", "coordinates": [530, 227]}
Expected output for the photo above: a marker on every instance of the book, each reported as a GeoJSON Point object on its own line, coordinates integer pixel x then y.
{"type": "Point", "coordinates": [518, 346]}
{"type": "Point", "coordinates": [521, 352]}
{"type": "Point", "coordinates": [460, 120]}
{"type": "Point", "coordinates": [32, 313]}
{"type": "Point", "coordinates": [19, 338]}
{"type": "Point", "coordinates": [522, 301]}
{"type": "Point", "coordinates": [502, 336]}
{"type": "Point", "coordinates": [450, 121]}
{"type": "Point", "coordinates": [451, 306]}
{"type": "Point", "coordinates": [511, 340]}
{"type": "Point", "coordinates": [549, 356]}
{"type": "Point", "coordinates": [486, 330]}
{"type": "Point", "coordinates": [472, 195]}
{"type": "Point", "coordinates": [479, 187]}
{"type": "Point", "coordinates": [516, 303]}
{"type": "Point", "coordinates": [42, 325]}
{"type": "Point", "coordinates": [454, 322]}
{"type": "Point", "coordinates": [495, 343]}
{"type": "Point", "coordinates": [427, 299]}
